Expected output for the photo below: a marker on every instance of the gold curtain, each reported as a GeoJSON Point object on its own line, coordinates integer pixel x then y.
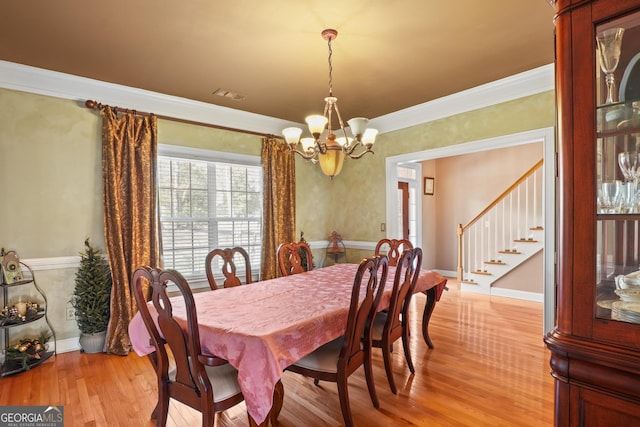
{"type": "Point", "coordinates": [129, 155]}
{"type": "Point", "coordinates": [279, 201]}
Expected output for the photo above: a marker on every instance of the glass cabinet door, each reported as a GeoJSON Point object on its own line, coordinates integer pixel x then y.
{"type": "Point", "coordinates": [617, 59]}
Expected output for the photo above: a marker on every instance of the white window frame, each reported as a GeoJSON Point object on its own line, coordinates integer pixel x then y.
{"type": "Point", "coordinates": [189, 153]}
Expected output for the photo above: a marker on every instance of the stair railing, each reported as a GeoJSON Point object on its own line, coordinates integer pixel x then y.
{"type": "Point", "coordinates": [505, 221]}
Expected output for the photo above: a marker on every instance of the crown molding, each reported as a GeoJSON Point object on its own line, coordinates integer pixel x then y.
{"type": "Point", "coordinates": [537, 80]}
{"type": "Point", "coordinates": [52, 83]}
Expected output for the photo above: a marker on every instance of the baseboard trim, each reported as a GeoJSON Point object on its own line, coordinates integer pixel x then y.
{"type": "Point", "coordinates": [504, 292]}
{"type": "Point", "coordinates": [523, 295]}
{"type": "Point", "coordinates": [67, 345]}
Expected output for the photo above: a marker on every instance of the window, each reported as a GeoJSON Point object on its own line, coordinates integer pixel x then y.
{"type": "Point", "coordinates": [207, 200]}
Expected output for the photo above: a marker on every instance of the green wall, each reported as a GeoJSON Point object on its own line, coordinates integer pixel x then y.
{"type": "Point", "coordinates": [51, 174]}
{"type": "Point", "coordinates": [355, 200]}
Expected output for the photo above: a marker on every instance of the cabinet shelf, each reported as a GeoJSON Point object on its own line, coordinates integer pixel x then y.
{"type": "Point", "coordinates": [7, 323]}
{"type": "Point", "coordinates": [15, 366]}
{"type": "Point", "coordinates": [18, 283]}
{"type": "Point", "coordinates": [618, 118]}
{"type": "Point", "coordinates": [11, 324]}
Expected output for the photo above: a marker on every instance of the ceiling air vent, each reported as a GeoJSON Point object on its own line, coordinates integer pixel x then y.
{"type": "Point", "coordinates": [226, 93]}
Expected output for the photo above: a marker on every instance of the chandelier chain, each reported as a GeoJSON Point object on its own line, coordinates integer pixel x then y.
{"type": "Point", "coordinates": [330, 67]}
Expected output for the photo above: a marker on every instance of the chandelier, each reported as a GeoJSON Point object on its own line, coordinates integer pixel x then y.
{"type": "Point", "coordinates": [325, 148]}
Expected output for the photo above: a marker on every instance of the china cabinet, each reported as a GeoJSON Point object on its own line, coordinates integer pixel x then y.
{"type": "Point", "coordinates": [28, 338]}
{"type": "Point", "coordinates": [595, 347]}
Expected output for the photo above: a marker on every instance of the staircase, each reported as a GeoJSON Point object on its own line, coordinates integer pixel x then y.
{"type": "Point", "coordinates": [503, 235]}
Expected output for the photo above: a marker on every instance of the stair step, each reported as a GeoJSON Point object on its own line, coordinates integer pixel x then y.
{"type": "Point", "coordinates": [508, 251]}
{"type": "Point", "coordinates": [483, 272]}
{"type": "Point", "coordinates": [493, 262]}
{"type": "Point", "coordinates": [526, 241]}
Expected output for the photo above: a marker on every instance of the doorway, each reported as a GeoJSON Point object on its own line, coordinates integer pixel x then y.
{"type": "Point", "coordinates": [544, 135]}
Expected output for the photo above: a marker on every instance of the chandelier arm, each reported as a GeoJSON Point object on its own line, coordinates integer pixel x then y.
{"type": "Point", "coordinates": [306, 156]}
{"type": "Point", "coordinates": [350, 149]}
{"type": "Point", "coordinates": [321, 147]}
{"type": "Point", "coordinates": [359, 156]}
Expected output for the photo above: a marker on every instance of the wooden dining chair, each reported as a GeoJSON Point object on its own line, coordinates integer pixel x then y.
{"type": "Point", "coordinates": [338, 359]}
{"type": "Point", "coordinates": [290, 258]}
{"type": "Point", "coordinates": [393, 324]}
{"type": "Point", "coordinates": [392, 248]}
{"type": "Point", "coordinates": [201, 381]}
{"type": "Point", "coordinates": [224, 260]}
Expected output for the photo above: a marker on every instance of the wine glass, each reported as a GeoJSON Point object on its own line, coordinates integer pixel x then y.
{"type": "Point", "coordinates": [610, 197]}
{"type": "Point", "coordinates": [630, 167]}
{"type": "Point", "coordinates": [609, 44]}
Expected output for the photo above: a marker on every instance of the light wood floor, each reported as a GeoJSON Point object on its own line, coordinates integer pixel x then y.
{"type": "Point", "coordinates": [490, 367]}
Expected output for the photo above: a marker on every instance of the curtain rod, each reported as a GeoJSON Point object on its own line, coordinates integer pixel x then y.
{"type": "Point", "coordinates": [94, 105]}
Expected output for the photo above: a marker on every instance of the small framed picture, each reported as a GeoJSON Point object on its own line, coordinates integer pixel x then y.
{"type": "Point", "coordinates": [429, 185]}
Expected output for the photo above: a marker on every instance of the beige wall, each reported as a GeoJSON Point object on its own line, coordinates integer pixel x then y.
{"type": "Point", "coordinates": [52, 192]}
{"type": "Point", "coordinates": [467, 184]}
{"type": "Point", "coordinates": [51, 174]}
{"type": "Point", "coordinates": [356, 198]}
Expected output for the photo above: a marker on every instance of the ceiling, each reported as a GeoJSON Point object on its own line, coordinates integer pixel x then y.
{"type": "Point", "coordinates": [389, 54]}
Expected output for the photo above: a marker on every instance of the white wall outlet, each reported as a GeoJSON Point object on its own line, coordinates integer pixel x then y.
{"type": "Point", "coordinates": [71, 313]}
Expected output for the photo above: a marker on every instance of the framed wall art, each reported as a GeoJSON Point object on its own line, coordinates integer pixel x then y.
{"type": "Point", "coordinates": [429, 185]}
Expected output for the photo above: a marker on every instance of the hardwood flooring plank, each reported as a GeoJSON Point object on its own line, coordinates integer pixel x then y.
{"type": "Point", "coordinates": [489, 367]}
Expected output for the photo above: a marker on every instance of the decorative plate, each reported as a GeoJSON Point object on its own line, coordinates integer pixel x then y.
{"type": "Point", "coordinates": [629, 294]}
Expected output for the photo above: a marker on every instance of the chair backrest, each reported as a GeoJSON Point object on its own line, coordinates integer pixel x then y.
{"type": "Point", "coordinates": [392, 248]}
{"type": "Point", "coordinates": [191, 382]}
{"type": "Point", "coordinates": [407, 272]}
{"type": "Point", "coordinates": [290, 259]}
{"type": "Point", "coordinates": [225, 260]}
{"type": "Point", "coordinates": [141, 281]}
{"type": "Point", "coordinates": [370, 280]}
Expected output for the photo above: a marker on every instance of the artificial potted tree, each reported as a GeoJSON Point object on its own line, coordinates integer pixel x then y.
{"type": "Point", "coordinates": [91, 298]}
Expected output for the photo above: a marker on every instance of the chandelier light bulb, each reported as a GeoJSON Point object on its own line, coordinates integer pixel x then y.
{"type": "Point", "coordinates": [316, 124]}
{"type": "Point", "coordinates": [292, 135]}
{"type": "Point", "coordinates": [369, 136]}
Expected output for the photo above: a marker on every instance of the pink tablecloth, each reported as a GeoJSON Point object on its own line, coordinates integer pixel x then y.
{"type": "Point", "coordinates": [264, 327]}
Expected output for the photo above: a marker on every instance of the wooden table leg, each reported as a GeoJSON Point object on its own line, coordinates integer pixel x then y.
{"type": "Point", "coordinates": [428, 309]}
{"type": "Point", "coordinates": [272, 417]}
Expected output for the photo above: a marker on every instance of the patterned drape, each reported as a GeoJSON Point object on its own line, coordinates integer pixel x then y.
{"type": "Point", "coordinates": [129, 154]}
{"type": "Point", "coordinates": [279, 212]}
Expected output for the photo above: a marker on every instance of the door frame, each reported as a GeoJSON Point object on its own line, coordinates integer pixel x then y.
{"type": "Point", "coordinates": [544, 135]}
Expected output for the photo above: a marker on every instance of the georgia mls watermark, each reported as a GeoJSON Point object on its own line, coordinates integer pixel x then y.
{"type": "Point", "coordinates": [31, 416]}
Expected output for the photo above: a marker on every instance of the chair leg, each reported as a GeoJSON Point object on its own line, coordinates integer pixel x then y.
{"type": "Point", "coordinates": [343, 394]}
{"type": "Point", "coordinates": [278, 400]}
{"type": "Point", "coordinates": [371, 385]}
{"type": "Point", "coordinates": [386, 356]}
{"type": "Point", "coordinates": [407, 352]}
{"type": "Point", "coordinates": [162, 408]}
{"type": "Point", "coordinates": [208, 417]}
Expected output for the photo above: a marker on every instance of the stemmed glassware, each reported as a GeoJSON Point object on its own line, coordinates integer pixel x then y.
{"type": "Point", "coordinates": [630, 166]}
{"type": "Point", "coordinates": [610, 197]}
{"type": "Point", "coordinates": [609, 45]}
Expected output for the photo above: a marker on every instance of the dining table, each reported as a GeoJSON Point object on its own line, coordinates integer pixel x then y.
{"type": "Point", "coordinates": [264, 327]}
